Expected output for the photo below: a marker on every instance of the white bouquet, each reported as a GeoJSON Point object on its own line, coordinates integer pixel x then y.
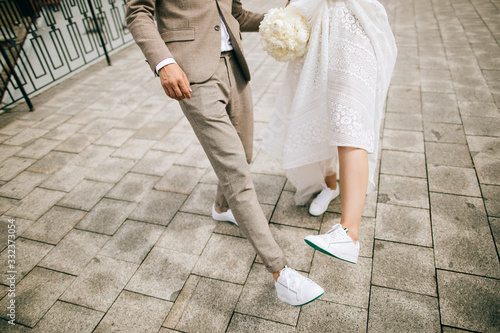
{"type": "Point", "coordinates": [285, 34]}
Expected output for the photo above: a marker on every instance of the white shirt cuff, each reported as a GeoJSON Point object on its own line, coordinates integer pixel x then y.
{"type": "Point", "coordinates": [164, 63]}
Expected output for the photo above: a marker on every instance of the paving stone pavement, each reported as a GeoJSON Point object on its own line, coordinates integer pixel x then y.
{"type": "Point", "coordinates": [111, 196]}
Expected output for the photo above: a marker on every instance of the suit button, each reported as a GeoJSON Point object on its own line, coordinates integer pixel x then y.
{"type": "Point", "coordinates": [217, 28]}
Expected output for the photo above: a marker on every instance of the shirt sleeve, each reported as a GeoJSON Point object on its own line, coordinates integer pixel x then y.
{"type": "Point", "coordinates": [164, 63]}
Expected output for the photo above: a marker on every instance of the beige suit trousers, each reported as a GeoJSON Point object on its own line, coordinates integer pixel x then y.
{"type": "Point", "coordinates": [221, 114]}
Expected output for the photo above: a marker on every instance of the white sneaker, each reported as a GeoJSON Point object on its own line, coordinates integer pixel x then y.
{"type": "Point", "coordinates": [320, 204]}
{"type": "Point", "coordinates": [336, 243]}
{"type": "Point", "coordinates": [295, 289]}
{"type": "Point", "coordinates": [224, 217]}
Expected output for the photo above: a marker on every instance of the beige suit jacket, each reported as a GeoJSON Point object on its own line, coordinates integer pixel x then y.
{"type": "Point", "coordinates": [189, 32]}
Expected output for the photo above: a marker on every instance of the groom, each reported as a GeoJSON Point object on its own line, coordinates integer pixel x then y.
{"type": "Point", "coordinates": [195, 48]}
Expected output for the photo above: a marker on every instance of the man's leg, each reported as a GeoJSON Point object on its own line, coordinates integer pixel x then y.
{"type": "Point", "coordinates": [206, 111]}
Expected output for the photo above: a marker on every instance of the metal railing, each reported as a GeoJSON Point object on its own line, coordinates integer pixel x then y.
{"type": "Point", "coordinates": [46, 40]}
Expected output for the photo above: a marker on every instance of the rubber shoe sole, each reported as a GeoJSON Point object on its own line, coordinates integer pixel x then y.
{"type": "Point", "coordinates": [320, 249]}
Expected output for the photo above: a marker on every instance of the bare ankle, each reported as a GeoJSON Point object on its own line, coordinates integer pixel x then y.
{"type": "Point", "coordinates": [276, 275]}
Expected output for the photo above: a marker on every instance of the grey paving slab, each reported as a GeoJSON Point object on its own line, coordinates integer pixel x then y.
{"type": "Point", "coordinates": [12, 166]}
{"type": "Point", "coordinates": [436, 80]}
{"type": "Point", "coordinates": [32, 302]}
{"type": "Point", "coordinates": [448, 154]}
{"type": "Point", "coordinates": [403, 191]}
{"type": "Point", "coordinates": [180, 179]}
{"type": "Point", "coordinates": [453, 180]}
{"type": "Point", "coordinates": [188, 233]}
{"type": "Point", "coordinates": [331, 317]}
{"type": "Point", "coordinates": [134, 149]}
{"type": "Point", "coordinates": [155, 163]}
{"type": "Point", "coordinates": [268, 188]}
{"type": "Point", "coordinates": [163, 274]}
{"type": "Point", "coordinates": [266, 164]}
{"type": "Point", "coordinates": [107, 216]}
{"type": "Point", "coordinates": [226, 258]}
{"type": "Point", "coordinates": [123, 315]}
{"type": "Point", "coordinates": [63, 132]}
{"type": "Point", "coordinates": [16, 126]}
{"type": "Point", "coordinates": [35, 204]}
{"type": "Point", "coordinates": [445, 133]}
{"type": "Point", "coordinates": [93, 291]}
{"type": "Point", "coordinates": [400, 105]}
{"type": "Point", "coordinates": [469, 302]}
{"type": "Point", "coordinates": [85, 195]}
{"type": "Point", "coordinates": [51, 162]}
{"type": "Point", "coordinates": [52, 121]}
{"type": "Point", "coordinates": [98, 126]}
{"type": "Point", "coordinates": [478, 109]}
{"type": "Point", "coordinates": [132, 241]}
{"type": "Point", "coordinates": [154, 130]}
{"type": "Point", "coordinates": [8, 151]}
{"type": "Point", "coordinates": [291, 240]}
{"type": "Point", "coordinates": [74, 251]}
{"type": "Point", "coordinates": [158, 207]}
{"type": "Point", "coordinates": [440, 108]}
{"type": "Point", "coordinates": [6, 204]}
{"type": "Point", "coordinates": [403, 164]}
{"type": "Point", "coordinates": [22, 184]}
{"type": "Point", "coordinates": [111, 170]}
{"type": "Point", "coordinates": [401, 311]}
{"type": "Point", "coordinates": [194, 156]}
{"type": "Point", "coordinates": [462, 236]}
{"type": "Point", "coordinates": [405, 92]}
{"type": "Point", "coordinates": [26, 136]}
{"type": "Point", "coordinates": [288, 213]}
{"type": "Point", "coordinates": [175, 142]}
{"type": "Point", "coordinates": [134, 121]}
{"type": "Point", "coordinates": [38, 148]}
{"type": "Point", "coordinates": [27, 254]}
{"type": "Point", "coordinates": [401, 121]}
{"type": "Point", "coordinates": [67, 178]}
{"type": "Point", "coordinates": [204, 298]}
{"type": "Point", "coordinates": [65, 317]}
{"type": "Point", "coordinates": [481, 126]}
{"type": "Point", "coordinates": [133, 187]}
{"type": "Point", "coordinates": [243, 323]}
{"type": "Point", "coordinates": [343, 282]}
{"type": "Point", "coordinates": [54, 225]}
{"type": "Point", "coordinates": [486, 152]}
{"type": "Point", "coordinates": [403, 140]}
{"type": "Point", "coordinates": [491, 195]}
{"type": "Point", "coordinates": [115, 137]}
{"type": "Point", "coordinates": [77, 142]}
{"type": "Point", "coordinates": [201, 200]}
{"type": "Point", "coordinates": [495, 230]}
{"type": "Point", "coordinates": [258, 299]}
{"type": "Point", "coordinates": [404, 267]}
{"type": "Point", "coordinates": [403, 224]}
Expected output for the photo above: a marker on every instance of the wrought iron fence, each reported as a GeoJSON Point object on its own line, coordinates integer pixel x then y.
{"type": "Point", "coordinates": [46, 40]}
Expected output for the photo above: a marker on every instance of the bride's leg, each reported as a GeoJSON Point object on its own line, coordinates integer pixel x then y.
{"type": "Point", "coordinates": [331, 181]}
{"type": "Point", "coordinates": [353, 165]}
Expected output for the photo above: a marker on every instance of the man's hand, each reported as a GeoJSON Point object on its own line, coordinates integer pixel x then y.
{"type": "Point", "coordinates": [174, 81]}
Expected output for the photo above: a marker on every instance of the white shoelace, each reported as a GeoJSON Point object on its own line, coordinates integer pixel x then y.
{"type": "Point", "coordinates": [337, 235]}
{"type": "Point", "coordinates": [293, 282]}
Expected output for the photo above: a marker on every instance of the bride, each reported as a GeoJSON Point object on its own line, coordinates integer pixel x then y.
{"type": "Point", "coordinates": [326, 124]}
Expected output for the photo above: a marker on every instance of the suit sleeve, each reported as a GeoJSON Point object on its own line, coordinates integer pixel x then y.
{"type": "Point", "coordinates": [140, 22]}
{"type": "Point", "coordinates": [248, 21]}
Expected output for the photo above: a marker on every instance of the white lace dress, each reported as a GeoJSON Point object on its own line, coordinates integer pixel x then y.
{"type": "Point", "coordinates": [334, 95]}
